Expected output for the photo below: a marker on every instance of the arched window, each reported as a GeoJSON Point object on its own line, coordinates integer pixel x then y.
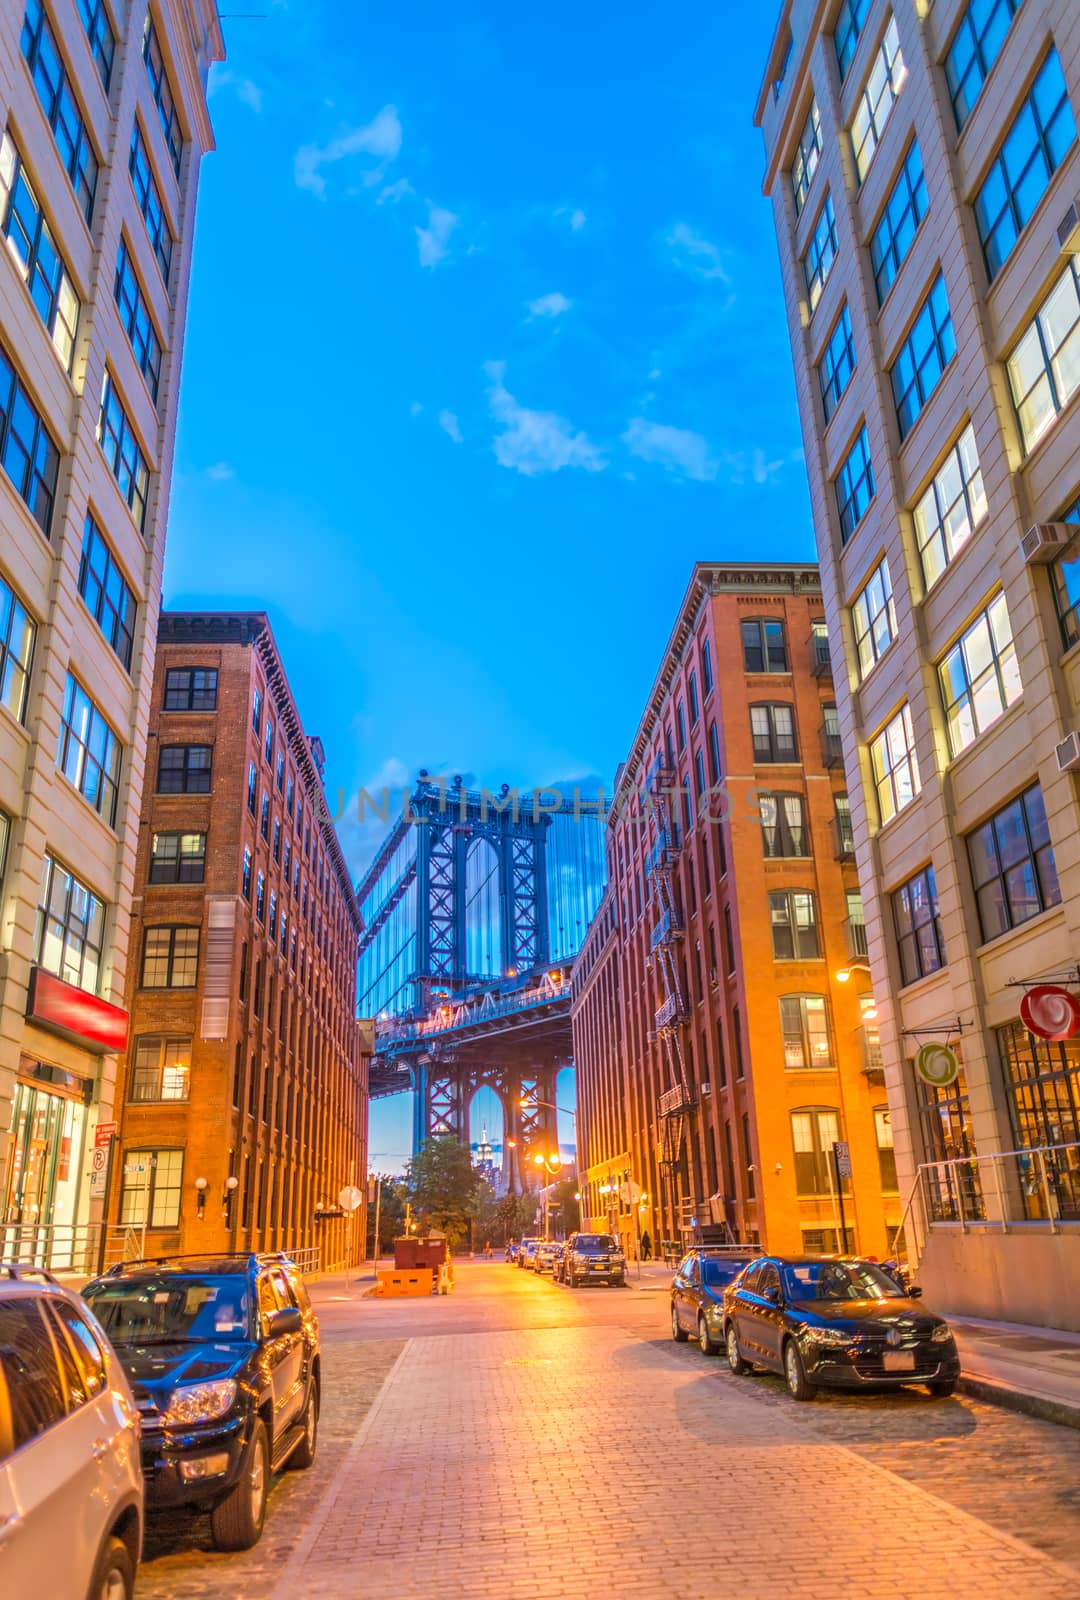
{"type": "Point", "coordinates": [814, 1131]}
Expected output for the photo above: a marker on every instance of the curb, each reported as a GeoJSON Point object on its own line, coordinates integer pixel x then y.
{"type": "Point", "coordinates": [1032, 1405]}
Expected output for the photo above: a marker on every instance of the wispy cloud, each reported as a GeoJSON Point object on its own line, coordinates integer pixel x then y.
{"type": "Point", "coordinates": [379, 139]}
{"type": "Point", "coordinates": [691, 252]}
{"type": "Point", "coordinates": [532, 442]}
{"type": "Point", "coordinates": [220, 472]}
{"type": "Point", "coordinates": [433, 241]}
{"type": "Point", "coordinates": [678, 450]}
{"type": "Point", "coordinates": [549, 305]}
{"type": "Point", "coordinates": [448, 422]}
{"type": "Point", "coordinates": [248, 93]}
{"type": "Point", "coordinates": [416, 408]}
{"type": "Point", "coordinates": [574, 217]}
{"type": "Point", "coordinates": [753, 466]}
{"type": "Point", "coordinates": [395, 192]}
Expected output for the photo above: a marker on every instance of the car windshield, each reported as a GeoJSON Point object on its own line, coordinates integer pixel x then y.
{"type": "Point", "coordinates": [838, 1280]}
{"type": "Point", "coordinates": [717, 1273]}
{"type": "Point", "coordinates": [594, 1241]}
{"type": "Point", "coordinates": [169, 1309]}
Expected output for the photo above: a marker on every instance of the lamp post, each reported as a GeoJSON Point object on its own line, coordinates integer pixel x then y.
{"type": "Point", "coordinates": [836, 1179]}
{"type": "Point", "coordinates": [549, 1165]}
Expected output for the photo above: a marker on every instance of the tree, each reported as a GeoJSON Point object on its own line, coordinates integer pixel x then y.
{"type": "Point", "coordinates": [517, 1215]}
{"type": "Point", "coordinates": [443, 1189]}
{"type": "Point", "coordinates": [391, 1214]}
{"type": "Point", "coordinates": [564, 1210]}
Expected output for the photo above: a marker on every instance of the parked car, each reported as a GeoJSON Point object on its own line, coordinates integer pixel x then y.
{"type": "Point", "coordinates": [71, 1483]}
{"type": "Point", "coordinates": [512, 1248]}
{"type": "Point", "coordinates": [223, 1356]}
{"type": "Point", "coordinates": [831, 1322]}
{"type": "Point", "coordinates": [525, 1252]}
{"type": "Point", "coordinates": [593, 1258]}
{"type": "Point", "coordinates": [545, 1255]}
{"type": "Point", "coordinates": [697, 1293]}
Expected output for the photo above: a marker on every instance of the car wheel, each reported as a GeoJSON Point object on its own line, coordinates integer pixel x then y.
{"type": "Point", "coordinates": [734, 1359]}
{"type": "Point", "coordinates": [799, 1386]}
{"type": "Point", "coordinates": [304, 1454]}
{"type": "Point", "coordinates": [678, 1332]}
{"type": "Point", "coordinates": [706, 1343]}
{"type": "Point", "coordinates": [237, 1523]}
{"type": "Point", "coordinates": [114, 1575]}
{"type": "Point", "coordinates": [942, 1388]}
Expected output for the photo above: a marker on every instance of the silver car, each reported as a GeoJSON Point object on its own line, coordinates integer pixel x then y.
{"type": "Point", "coordinates": [71, 1485]}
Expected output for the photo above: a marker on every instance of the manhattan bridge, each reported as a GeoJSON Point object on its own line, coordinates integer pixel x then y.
{"type": "Point", "coordinates": [474, 910]}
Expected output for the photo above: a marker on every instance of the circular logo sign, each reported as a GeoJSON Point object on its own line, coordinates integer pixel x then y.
{"type": "Point", "coordinates": [1050, 1012]}
{"type": "Point", "coordinates": [937, 1064]}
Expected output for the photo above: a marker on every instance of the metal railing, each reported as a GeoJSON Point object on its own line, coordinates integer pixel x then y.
{"type": "Point", "coordinates": [832, 749]}
{"type": "Point", "coordinates": [997, 1192]}
{"type": "Point", "coordinates": [307, 1261]}
{"type": "Point", "coordinates": [856, 937]}
{"type": "Point", "coordinates": [81, 1248]}
{"type": "Point", "coordinates": [844, 839]}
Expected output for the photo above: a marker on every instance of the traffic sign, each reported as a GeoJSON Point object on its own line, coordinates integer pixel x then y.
{"type": "Point", "coordinates": [350, 1198]}
{"type": "Point", "coordinates": [104, 1132]}
{"type": "Point", "coordinates": [937, 1065]}
{"type": "Point", "coordinates": [842, 1155]}
{"type": "Point", "coordinates": [630, 1193]}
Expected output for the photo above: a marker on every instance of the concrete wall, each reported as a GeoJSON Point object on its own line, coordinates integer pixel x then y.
{"type": "Point", "coordinates": [1025, 1276]}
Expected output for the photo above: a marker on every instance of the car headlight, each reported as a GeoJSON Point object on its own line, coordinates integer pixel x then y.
{"type": "Point", "coordinates": [834, 1336]}
{"type": "Point", "coordinates": [941, 1334]}
{"type": "Point", "coordinates": [200, 1402]}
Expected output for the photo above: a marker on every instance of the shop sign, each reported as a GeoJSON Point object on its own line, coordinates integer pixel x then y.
{"type": "Point", "coordinates": [74, 1014]}
{"type": "Point", "coordinates": [1050, 1012]}
{"type": "Point", "coordinates": [937, 1065]}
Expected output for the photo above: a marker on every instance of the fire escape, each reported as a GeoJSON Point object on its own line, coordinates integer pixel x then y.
{"type": "Point", "coordinates": [673, 1012]}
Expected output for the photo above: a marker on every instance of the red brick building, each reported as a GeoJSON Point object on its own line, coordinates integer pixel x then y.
{"type": "Point", "coordinates": [244, 1110]}
{"type": "Point", "coordinates": [719, 1056]}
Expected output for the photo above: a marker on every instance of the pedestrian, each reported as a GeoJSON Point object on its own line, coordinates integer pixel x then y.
{"type": "Point", "coordinates": [488, 1252]}
{"type": "Point", "coordinates": [646, 1246]}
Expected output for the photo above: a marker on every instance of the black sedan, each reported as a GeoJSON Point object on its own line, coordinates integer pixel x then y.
{"type": "Point", "coordinates": [697, 1294]}
{"type": "Point", "coordinates": [835, 1323]}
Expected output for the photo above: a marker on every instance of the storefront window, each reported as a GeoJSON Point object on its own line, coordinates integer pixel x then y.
{"type": "Point", "coordinates": [954, 1192]}
{"type": "Point", "coordinates": [40, 1204]}
{"type": "Point", "coordinates": [1044, 1083]}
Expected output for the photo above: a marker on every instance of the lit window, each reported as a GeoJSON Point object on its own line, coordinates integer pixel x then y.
{"type": "Point", "coordinates": [895, 765]}
{"type": "Point", "coordinates": [149, 198]}
{"type": "Point", "coordinates": [918, 927]}
{"type": "Point", "coordinates": [95, 19]}
{"type": "Point", "coordinates": [837, 363]}
{"type": "Point", "coordinates": [1044, 369]}
{"type": "Point", "coordinates": [973, 51]}
{"type": "Point", "coordinates": [170, 958]}
{"type": "Point", "coordinates": [814, 1132]}
{"type": "Point", "coordinates": [161, 1069]}
{"type": "Point", "coordinates": [161, 89]}
{"type": "Point", "coordinates": [137, 321]}
{"type": "Point", "coordinates": [873, 618]}
{"type": "Point", "coordinates": [793, 916]}
{"type": "Point", "coordinates": [804, 1022]}
{"type": "Point", "coordinates": [17, 634]}
{"type": "Point", "coordinates": [979, 677]}
{"type": "Point", "coordinates": [1041, 133]}
{"type": "Point", "coordinates": [122, 452]}
{"type": "Point", "coordinates": [807, 156]}
{"type": "Point", "coordinates": [923, 356]}
{"type": "Point", "coordinates": [70, 927]}
{"type": "Point", "coordinates": [877, 98]}
{"type": "Point", "coordinates": [1012, 865]}
{"type": "Point", "coordinates": [855, 486]}
{"type": "Point", "coordinates": [59, 105]}
{"type": "Point", "coordinates": [31, 459]}
{"type": "Point", "coordinates": [951, 509]}
{"type": "Point", "coordinates": [32, 245]}
{"type": "Point", "coordinates": [88, 752]}
{"type": "Point", "coordinates": [820, 253]}
{"type": "Point", "coordinates": [151, 1188]}
{"type": "Point", "coordinates": [849, 26]}
{"type": "Point", "coordinates": [904, 210]}
{"type": "Point", "coordinates": [111, 603]}
{"type": "Point", "coordinates": [178, 858]}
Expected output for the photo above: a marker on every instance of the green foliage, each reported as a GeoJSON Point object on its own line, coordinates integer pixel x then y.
{"type": "Point", "coordinates": [444, 1189]}
{"type": "Point", "coordinates": [391, 1215]}
{"type": "Point", "coordinates": [564, 1209]}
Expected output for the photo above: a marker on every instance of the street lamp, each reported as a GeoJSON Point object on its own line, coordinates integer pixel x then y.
{"type": "Point", "coordinates": [549, 1165]}
{"type": "Point", "coordinates": [853, 966]}
{"type": "Point", "coordinates": [530, 1103]}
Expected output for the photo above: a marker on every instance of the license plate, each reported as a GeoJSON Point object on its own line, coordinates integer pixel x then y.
{"type": "Point", "coordinates": [599, 1266]}
{"type": "Point", "coordinates": [899, 1361]}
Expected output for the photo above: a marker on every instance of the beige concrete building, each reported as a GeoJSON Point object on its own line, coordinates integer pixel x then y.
{"type": "Point", "coordinates": [104, 123]}
{"type": "Point", "coordinates": [924, 172]}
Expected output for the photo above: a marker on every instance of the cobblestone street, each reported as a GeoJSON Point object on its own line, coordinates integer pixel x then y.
{"type": "Point", "coordinates": [519, 1436]}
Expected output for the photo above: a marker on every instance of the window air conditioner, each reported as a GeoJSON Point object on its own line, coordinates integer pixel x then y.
{"type": "Point", "coordinates": [1044, 541]}
{"type": "Point", "coordinates": [1068, 233]}
{"type": "Point", "coordinates": [1068, 753]}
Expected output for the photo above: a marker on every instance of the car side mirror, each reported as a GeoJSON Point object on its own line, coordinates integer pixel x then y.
{"type": "Point", "coordinates": [774, 1297]}
{"type": "Point", "coordinates": [289, 1320]}
{"type": "Point", "coordinates": [914, 1292]}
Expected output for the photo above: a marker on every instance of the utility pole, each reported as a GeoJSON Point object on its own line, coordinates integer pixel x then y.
{"type": "Point", "coordinates": [375, 1241]}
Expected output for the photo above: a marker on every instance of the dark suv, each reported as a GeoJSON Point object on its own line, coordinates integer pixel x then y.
{"type": "Point", "coordinates": [592, 1258]}
{"type": "Point", "coordinates": [222, 1353]}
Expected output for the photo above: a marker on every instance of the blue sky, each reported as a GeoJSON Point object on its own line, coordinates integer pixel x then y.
{"type": "Point", "coordinates": [486, 347]}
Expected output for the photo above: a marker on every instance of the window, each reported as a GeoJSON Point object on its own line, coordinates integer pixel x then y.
{"type": "Point", "coordinates": [1033, 149]}
{"type": "Point", "coordinates": [170, 958]}
{"type": "Point", "coordinates": [277, 840]}
{"type": "Point", "coordinates": [17, 634]}
{"type": "Point", "coordinates": [837, 363]}
{"type": "Point", "coordinates": [692, 690]}
{"type": "Point", "coordinates": [153, 212]}
{"type": "Point", "coordinates": [1044, 1080]}
{"type": "Point", "coordinates": [951, 509]}
{"type": "Point", "coordinates": [855, 487]}
{"type": "Point", "coordinates": [161, 89]}
{"type": "Point", "coordinates": [804, 1023]}
{"type": "Point", "coordinates": [845, 834]}
{"type": "Point", "coordinates": [245, 881]}
{"type": "Point", "coordinates": [923, 356]}
{"type": "Point", "coordinates": [680, 730]}
{"type": "Point", "coordinates": [846, 33]}
{"type": "Point", "coordinates": [289, 789]}
{"type": "Point", "coordinates": [699, 768]}
{"type": "Point", "coordinates": [820, 253]}
{"type": "Point", "coordinates": [918, 927]}
{"type": "Point", "coordinates": [191, 689]}
{"type": "Point", "coordinates": [178, 858]}
{"type": "Point", "coordinates": [88, 752]}
{"type": "Point", "coordinates": [876, 100]}
{"type": "Point", "coordinates": [271, 916]}
{"type": "Point", "coordinates": [895, 765]}
{"type": "Point", "coordinates": [814, 1131]}
{"type": "Point", "coordinates": [807, 156]}
{"type": "Point", "coordinates": [70, 927]}
{"type": "Point", "coordinates": [793, 915]}
{"type": "Point", "coordinates": [264, 816]}
{"type": "Point", "coordinates": [281, 771]}
{"type": "Point", "coordinates": [151, 1188]}
{"type": "Point", "coordinates": [122, 452]}
{"type": "Point", "coordinates": [102, 586]}
{"type": "Point", "coordinates": [783, 825]}
{"type": "Point", "coordinates": [763, 646]}
{"type": "Point", "coordinates": [904, 210]}
{"type": "Point", "coordinates": [1044, 369]}
{"type": "Point", "coordinates": [33, 247]}
{"type": "Point", "coordinates": [873, 618]}
{"type": "Point", "coordinates": [80, 1354]}
{"type": "Point", "coordinates": [856, 925]}
{"type": "Point", "coordinates": [974, 49]}
{"type": "Point", "coordinates": [260, 895]}
{"type": "Point", "coordinates": [161, 1069]}
{"type": "Point", "coordinates": [714, 753]}
{"type": "Point", "coordinates": [184, 769]}
{"type": "Point", "coordinates": [95, 19]}
{"type": "Point", "coordinates": [1065, 577]}
{"type": "Point", "coordinates": [59, 105]}
{"type": "Point", "coordinates": [706, 669]}
{"type": "Point", "coordinates": [136, 320]}
{"type": "Point", "coordinates": [31, 459]}
{"type": "Point", "coordinates": [883, 1132]}
{"type": "Point", "coordinates": [36, 1394]}
{"type": "Point", "coordinates": [979, 676]}
{"type": "Point", "coordinates": [1012, 865]}
{"type": "Point", "coordinates": [773, 730]}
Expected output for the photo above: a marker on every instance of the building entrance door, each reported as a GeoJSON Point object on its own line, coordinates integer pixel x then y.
{"type": "Point", "coordinates": [38, 1221]}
